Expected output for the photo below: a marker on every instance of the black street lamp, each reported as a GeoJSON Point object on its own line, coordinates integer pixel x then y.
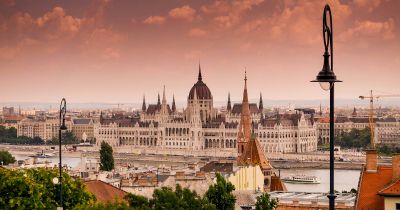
{"type": "Point", "coordinates": [63, 111]}
{"type": "Point", "coordinates": [327, 78]}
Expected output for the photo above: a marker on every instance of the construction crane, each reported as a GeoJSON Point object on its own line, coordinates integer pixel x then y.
{"type": "Point", "coordinates": [372, 98]}
{"type": "Point", "coordinates": [118, 105]}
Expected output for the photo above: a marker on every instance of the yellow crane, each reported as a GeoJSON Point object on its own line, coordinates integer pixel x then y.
{"type": "Point", "coordinates": [371, 98]}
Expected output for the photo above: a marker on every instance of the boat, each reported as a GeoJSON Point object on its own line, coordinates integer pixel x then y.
{"type": "Point", "coordinates": [301, 179]}
{"type": "Point", "coordinates": [41, 155]}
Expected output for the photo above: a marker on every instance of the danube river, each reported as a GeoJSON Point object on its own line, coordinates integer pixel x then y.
{"type": "Point", "coordinates": [344, 179]}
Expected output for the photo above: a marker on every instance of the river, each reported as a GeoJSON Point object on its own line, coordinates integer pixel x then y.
{"type": "Point", "coordinates": [344, 179]}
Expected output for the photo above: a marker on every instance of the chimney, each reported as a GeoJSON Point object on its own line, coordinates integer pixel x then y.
{"type": "Point", "coordinates": [372, 161]}
{"type": "Point", "coordinates": [396, 167]}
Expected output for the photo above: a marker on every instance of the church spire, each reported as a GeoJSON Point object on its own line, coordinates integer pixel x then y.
{"type": "Point", "coordinates": [144, 104]}
{"type": "Point", "coordinates": [173, 103]}
{"type": "Point", "coordinates": [164, 99]}
{"type": "Point", "coordinates": [158, 102]}
{"type": "Point", "coordinates": [261, 105]}
{"type": "Point", "coordinates": [229, 106]}
{"type": "Point", "coordinates": [320, 109]}
{"type": "Point", "coordinates": [245, 120]}
{"type": "Point", "coordinates": [200, 78]}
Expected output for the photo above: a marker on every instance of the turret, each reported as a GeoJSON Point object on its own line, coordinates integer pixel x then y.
{"type": "Point", "coordinates": [261, 105]}
{"type": "Point", "coordinates": [173, 104]}
{"type": "Point", "coordinates": [144, 104]}
{"type": "Point", "coordinates": [158, 102]}
{"type": "Point", "coordinates": [229, 106]}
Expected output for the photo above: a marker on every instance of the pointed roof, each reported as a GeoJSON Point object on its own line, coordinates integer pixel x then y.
{"type": "Point", "coordinates": [158, 101]}
{"type": "Point", "coordinates": [200, 78]}
{"type": "Point", "coordinates": [173, 103]}
{"type": "Point", "coordinates": [261, 104]}
{"type": "Point", "coordinates": [392, 190]}
{"type": "Point", "coordinates": [164, 99]}
{"type": "Point", "coordinates": [144, 104]}
{"type": "Point", "coordinates": [245, 118]}
{"type": "Point", "coordinates": [253, 154]}
{"type": "Point", "coordinates": [229, 106]}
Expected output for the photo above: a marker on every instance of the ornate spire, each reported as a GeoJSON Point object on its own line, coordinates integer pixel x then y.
{"type": "Point", "coordinates": [200, 78]}
{"type": "Point", "coordinates": [354, 114]}
{"type": "Point", "coordinates": [245, 121]}
{"type": "Point", "coordinates": [320, 109]}
{"type": "Point", "coordinates": [158, 101]}
{"type": "Point", "coordinates": [164, 99]}
{"type": "Point", "coordinates": [261, 105]}
{"type": "Point", "coordinates": [173, 103]}
{"type": "Point", "coordinates": [229, 106]}
{"type": "Point", "coordinates": [144, 104]}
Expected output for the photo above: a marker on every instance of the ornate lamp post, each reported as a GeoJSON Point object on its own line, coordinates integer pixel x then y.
{"type": "Point", "coordinates": [63, 111]}
{"type": "Point", "coordinates": [327, 78]}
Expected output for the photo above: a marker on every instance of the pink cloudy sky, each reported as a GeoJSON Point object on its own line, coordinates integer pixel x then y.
{"type": "Point", "coordinates": [116, 51]}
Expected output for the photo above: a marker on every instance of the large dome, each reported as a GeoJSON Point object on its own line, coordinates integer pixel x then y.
{"type": "Point", "coordinates": [202, 91]}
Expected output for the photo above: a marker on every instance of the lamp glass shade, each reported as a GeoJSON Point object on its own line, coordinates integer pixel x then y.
{"type": "Point", "coordinates": [55, 180]}
{"type": "Point", "coordinates": [325, 85]}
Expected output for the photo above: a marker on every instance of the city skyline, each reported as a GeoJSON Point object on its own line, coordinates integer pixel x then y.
{"type": "Point", "coordinates": [113, 52]}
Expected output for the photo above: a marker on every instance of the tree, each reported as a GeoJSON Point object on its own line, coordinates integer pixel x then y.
{"type": "Point", "coordinates": [220, 194]}
{"type": "Point", "coordinates": [106, 206]}
{"type": "Point", "coordinates": [6, 158]}
{"type": "Point", "coordinates": [34, 189]}
{"type": "Point", "coordinates": [181, 199]}
{"type": "Point", "coordinates": [106, 157]}
{"type": "Point", "coordinates": [264, 202]}
{"type": "Point", "coordinates": [138, 201]}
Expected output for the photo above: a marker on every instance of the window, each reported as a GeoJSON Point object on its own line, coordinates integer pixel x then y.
{"type": "Point", "coordinates": [397, 206]}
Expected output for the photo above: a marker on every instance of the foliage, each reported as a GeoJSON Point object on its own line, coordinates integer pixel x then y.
{"type": "Point", "coordinates": [355, 138]}
{"type": "Point", "coordinates": [68, 138]}
{"type": "Point", "coordinates": [265, 202]}
{"type": "Point", "coordinates": [106, 157]}
{"type": "Point", "coordinates": [388, 150]}
{"type": "Point", "coordinates": [220, 194]}
{"type": "Point", "coordinates": [105, 206]}
{"type": "Point", "coordinates": [6, 158]}
{"type": "Point", "coordinates": [138, 201]}
{"type": "Point", "coordinates": [9, 136]}
{"type": "Point", "coordinates": [34, 189]}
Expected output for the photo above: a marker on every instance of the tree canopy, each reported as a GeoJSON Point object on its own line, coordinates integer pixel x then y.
{"type": "Point", "coordinates": [220, 194]}
{"type": "Point", "coordinates": [34, 189]}
{"type": "Point", "coordinates": [355, 138]}
{"type": "Point", "coordinates": [265, 202]}
{"type": "Point", "coordinates": [106, 157]}
{"type": "Point", "coordinates": [6, 158]}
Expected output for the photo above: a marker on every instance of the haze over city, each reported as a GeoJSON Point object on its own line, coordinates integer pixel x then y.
{"type": "Point", "coordinates": [117, 51]}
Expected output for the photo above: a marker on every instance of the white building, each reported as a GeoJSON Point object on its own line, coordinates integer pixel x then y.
{"type": "Point", "coordinates": [200, 128]}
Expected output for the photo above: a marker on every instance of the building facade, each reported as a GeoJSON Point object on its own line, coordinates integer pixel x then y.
{"type": "Point", "coordinates": [201, 127]}
{"type": "Point", "coordinates": [45, 129]}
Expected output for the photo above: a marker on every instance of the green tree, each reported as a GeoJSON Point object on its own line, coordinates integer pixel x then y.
{"type": "Point", "coordinates": [34, 189]}
{"type": "Point", "coordinates": [220, 194]}
{"type": "Point", "coordinates": [180, 199]}
{"type": "Point", "coordinates": [6, 158]}
{"type": "Point", "coordinates": [106, 206]}
{"type": "Point", "coordinates": [265, 202]}
{"type": "Point", "coordinates": [138, 201]}
{"type": "Point", "coordinates": [106, 157]}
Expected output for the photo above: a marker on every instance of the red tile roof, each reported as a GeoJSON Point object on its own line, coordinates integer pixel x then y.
{"type": "Point", "coordinates": [105, 192]}
{"type": "Point", "coordinates": [370, 184]}
{"type": "Point", "coordinates": [391, 190]}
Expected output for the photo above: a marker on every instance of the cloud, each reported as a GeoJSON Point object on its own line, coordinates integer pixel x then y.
{"type": "Point", "coordinates": [370, 29]}
{"type": "Point", "coordinates": [229, 13]}
{"type": "Point", "coordinates": [185, 13]}
{"type": "Point", "coordinates": [370, 5]}
{"type": "Point", "coordinates": [197, 32]}
{"type": "Point", "coordinates": [155, 20]}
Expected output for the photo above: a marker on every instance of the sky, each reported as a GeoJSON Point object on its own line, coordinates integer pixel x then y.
{"type": "Point", "coordinates": [117, 51]}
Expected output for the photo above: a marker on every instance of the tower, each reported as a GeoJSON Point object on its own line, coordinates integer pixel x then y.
{"type": "Point", "coordinates": [261, 105]}
{"type": "Point", "coordinates": [244, 133]}
{"type": "Point", "coordinates": [173, 104]}
{"type": "Point", "coordinates": [144, 104]}
{"type": "Point", "coordinates": [229, 106]}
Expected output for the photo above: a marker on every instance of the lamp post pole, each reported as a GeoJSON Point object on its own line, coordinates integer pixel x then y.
{"type": "Point", "coordinates": [327, 79]}
{"type": "Point", "coordinates": [63, 110]}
